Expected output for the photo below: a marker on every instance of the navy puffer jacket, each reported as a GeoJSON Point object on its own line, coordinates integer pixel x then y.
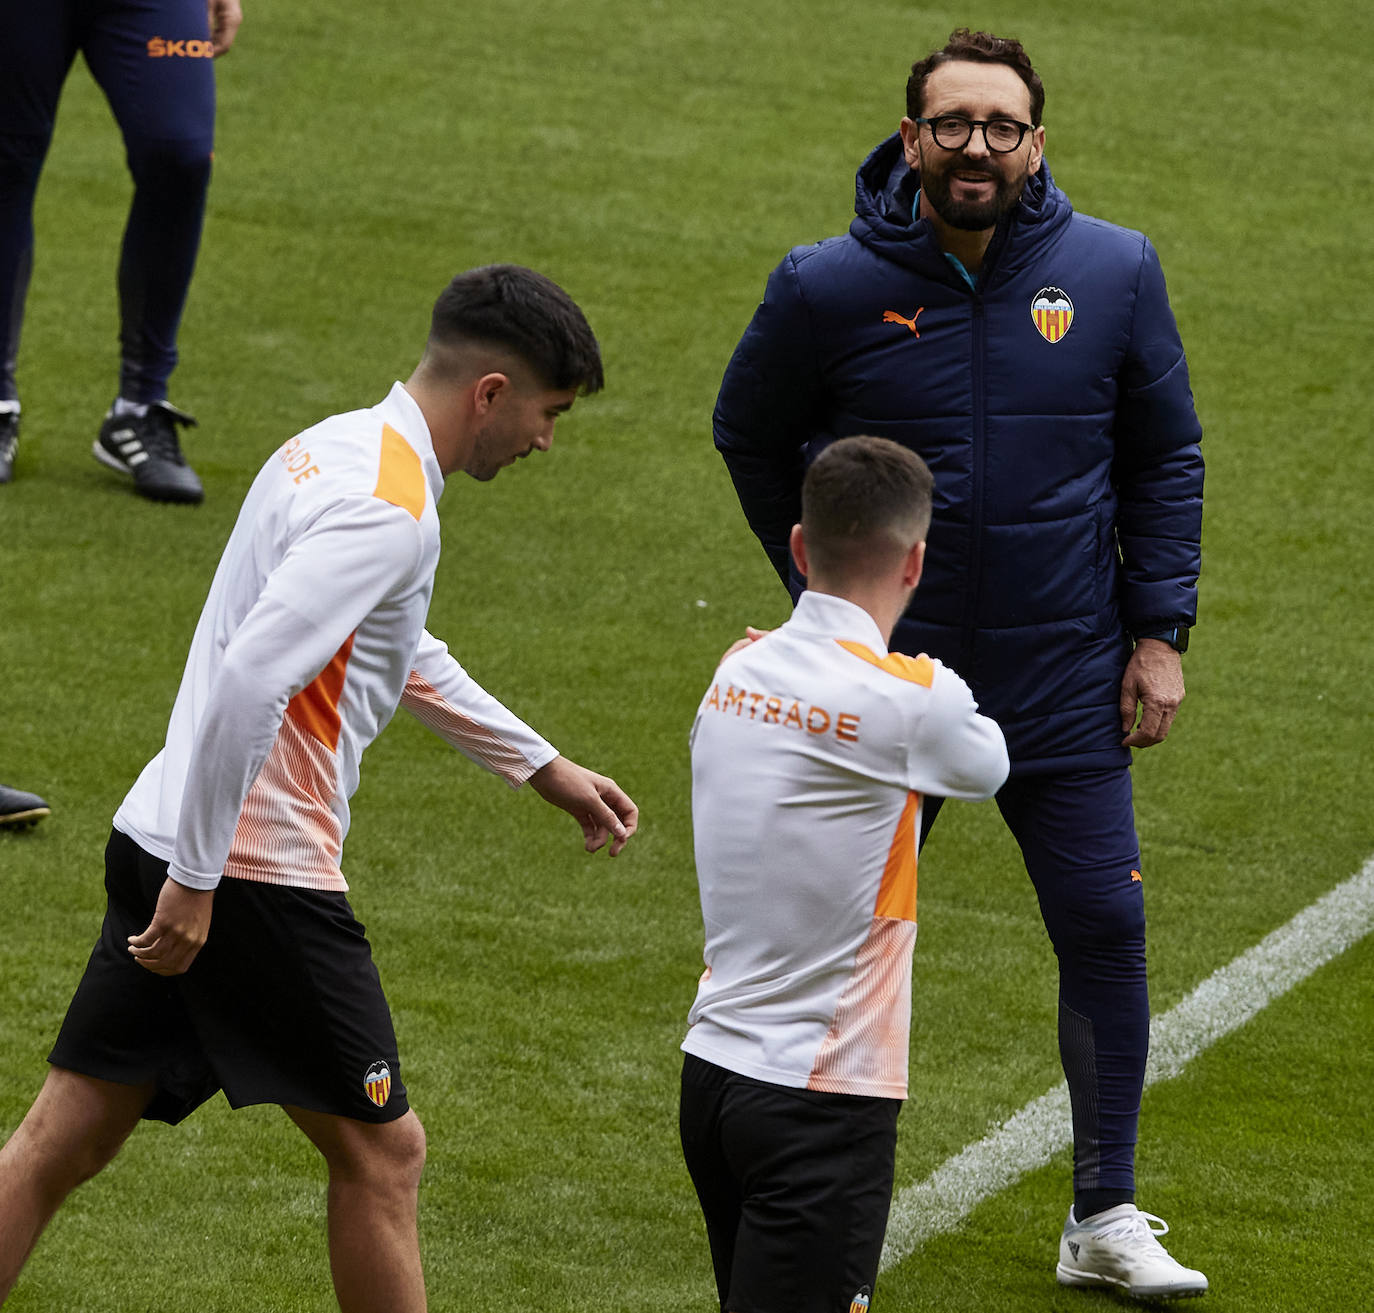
{"type": "Point", "coordinates": [1051, 402]}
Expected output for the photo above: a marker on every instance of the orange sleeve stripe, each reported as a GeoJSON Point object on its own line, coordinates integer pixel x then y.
{"type": "Point", "coordinates": [400, 476]}
{"type": "Point", "coordinates": [316, 707]}
{"type": "Point", "coordinates": [917, 670]}
{"type": "Point", "coordinates": [430, 708]}
{"type": "Point", "coordinates": [897, 892]}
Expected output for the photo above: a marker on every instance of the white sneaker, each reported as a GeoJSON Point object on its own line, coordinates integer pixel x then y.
{"type": "Point", "coordinates": [1119, 1248]}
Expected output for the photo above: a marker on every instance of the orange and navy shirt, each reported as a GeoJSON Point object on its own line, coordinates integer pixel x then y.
{"type": "Point", "coordinates": [313, 632]}
{"type": "Point", "coordinates": [811, 752]}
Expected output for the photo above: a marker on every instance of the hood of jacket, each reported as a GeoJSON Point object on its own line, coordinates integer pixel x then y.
{"type": "Point", "coordinates": [885, 192]}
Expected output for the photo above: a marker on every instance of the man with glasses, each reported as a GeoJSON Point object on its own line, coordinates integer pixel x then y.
{"type": "Point", "coordinates": [1030, 356]}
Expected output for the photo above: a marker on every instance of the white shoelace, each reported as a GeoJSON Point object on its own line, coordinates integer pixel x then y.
{"type": "Point", "coordinates": [1136, 1230]}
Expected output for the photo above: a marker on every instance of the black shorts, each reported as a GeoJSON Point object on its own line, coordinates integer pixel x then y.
{"type": "Point", "coordinates": [282, 1005]}
{"type": "Point", "coordinates": [795, 1186]}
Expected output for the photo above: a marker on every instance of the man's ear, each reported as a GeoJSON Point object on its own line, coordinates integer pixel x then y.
{"type": "Point", "coordinates": [487, 389]}
{"type": "Point", "coordinates": [911, 142]}
{"type": "Point", "coordinates": [798, 545]}
{"type": "Point", "coordinates": [913, 565]}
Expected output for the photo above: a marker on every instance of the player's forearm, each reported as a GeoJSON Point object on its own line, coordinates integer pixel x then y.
{"type": "Point", "coordinates": [441, 695]}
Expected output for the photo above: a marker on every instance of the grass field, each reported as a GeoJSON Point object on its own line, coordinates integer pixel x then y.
{"type": "Point", "coordinates": [658, 160]}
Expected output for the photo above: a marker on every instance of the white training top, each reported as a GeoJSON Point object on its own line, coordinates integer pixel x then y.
{"type": "Point", "coordinates": [312, 633]}
{"type": "Point", "coordinates": [810, 753]}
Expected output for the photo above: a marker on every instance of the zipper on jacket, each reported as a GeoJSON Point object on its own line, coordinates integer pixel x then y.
{"type": "Point", "coordinates": [978, 333]}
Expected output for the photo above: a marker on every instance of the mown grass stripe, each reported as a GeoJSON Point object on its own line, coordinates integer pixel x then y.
{"type": "Point", "coordinates": [1226, 1000]}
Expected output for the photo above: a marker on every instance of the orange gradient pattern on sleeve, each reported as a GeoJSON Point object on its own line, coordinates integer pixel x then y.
{"type": "Point", "coordinates": [432, 710]}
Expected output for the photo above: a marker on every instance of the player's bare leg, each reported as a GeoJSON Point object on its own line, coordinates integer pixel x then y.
{"type": "Point", "coordinates": [75, 1126]}
{"type": "Point", "coordinates": [374, 1182]}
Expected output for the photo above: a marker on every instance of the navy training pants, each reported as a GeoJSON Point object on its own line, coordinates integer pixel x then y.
{"type": "Point", "coordinates": [1078, 840]}
{"type": "Point", "coordinates": [152, 59]}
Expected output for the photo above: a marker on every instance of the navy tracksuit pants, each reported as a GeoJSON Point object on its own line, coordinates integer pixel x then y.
{"type": "Point", "coordinates": [1077, 836]}
{"type": "Point", "coordinates": [152, 59]}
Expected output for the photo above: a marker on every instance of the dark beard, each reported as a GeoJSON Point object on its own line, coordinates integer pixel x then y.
{"type": "Point", "coordinates": [971, 216]}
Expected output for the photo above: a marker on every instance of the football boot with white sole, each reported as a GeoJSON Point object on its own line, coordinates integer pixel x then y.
{"type": "Point", "coordinates": [1120, 1247]}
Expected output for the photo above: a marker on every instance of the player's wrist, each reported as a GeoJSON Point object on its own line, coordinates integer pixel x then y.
{"type": "Point", "coordinates": [1176, 636]}
{"type": "Point", "coordinates": [200, 884]}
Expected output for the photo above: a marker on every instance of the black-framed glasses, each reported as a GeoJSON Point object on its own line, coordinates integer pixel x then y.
{"type": "Point", "coordinates": [953, 131]}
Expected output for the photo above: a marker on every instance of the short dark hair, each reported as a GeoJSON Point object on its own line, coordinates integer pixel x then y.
{"type": "Point", "coordinates": [984, 48]}
{"type": "Point", "coordinates": [864, 500]}
{"type": "Point", "coordinates": [510, 306]}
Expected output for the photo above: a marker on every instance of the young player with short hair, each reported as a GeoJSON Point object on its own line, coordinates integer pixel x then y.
{"type": "Point", "coordinates": [812, 753]}
{"type": "Point", "coordinates": [312, 635]}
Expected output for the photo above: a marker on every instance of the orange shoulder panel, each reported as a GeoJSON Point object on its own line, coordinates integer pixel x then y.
{"type": "Point", "coordinates": [400, 476]}
{"type": "Point", "coordinates": [916, 670]}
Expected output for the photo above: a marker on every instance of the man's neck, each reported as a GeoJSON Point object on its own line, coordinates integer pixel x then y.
{"type": "Point", "coordinates": [883, 604]}
{"type": "Point", "coordinates": [967, 247]}
{"type": "Point", "coordinates": [451, 444]}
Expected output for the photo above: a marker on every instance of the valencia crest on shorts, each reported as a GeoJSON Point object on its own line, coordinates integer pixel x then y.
{"type": "Point", "coordinates": [377, 1083]}
{"type": "Point", "coordinates": [859, 1304]}
{"type": "Point", "coordinates": [1052, 312]}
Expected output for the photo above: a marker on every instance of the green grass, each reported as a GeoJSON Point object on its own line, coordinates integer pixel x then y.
{"type": "Point", "coordinates": [658, 159]}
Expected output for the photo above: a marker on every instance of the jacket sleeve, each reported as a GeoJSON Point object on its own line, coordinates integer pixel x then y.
{"type": "Point", "coordinates": [953, 751]}
{"type": "Point", "coordinates": [766, 412]}
{"type": "Point", "coordinates": [1158, 466]}
{"type": "Point", "coordinates": [442, 696]}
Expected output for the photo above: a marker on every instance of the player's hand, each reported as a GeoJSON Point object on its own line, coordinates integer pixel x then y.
{"type": "Point", "coordinates": [1153, 686]}
{"type": "Point", "coordinates": [179, 928]}
{"type": "Point", "coordinates": [752, 635]}
{"type": "Point", "coordinates": [225, 17]}
{"type": "Point", "coordinates": [597, 804]}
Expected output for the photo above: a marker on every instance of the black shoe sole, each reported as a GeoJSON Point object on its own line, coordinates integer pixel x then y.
{"type": "Point", "coordinates": [179, 496]}
{"type": "Point", "coordinates": [170, 496]}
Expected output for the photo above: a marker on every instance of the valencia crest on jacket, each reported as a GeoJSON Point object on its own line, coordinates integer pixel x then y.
{"type": "Point", "coordinates": [1052, 312]}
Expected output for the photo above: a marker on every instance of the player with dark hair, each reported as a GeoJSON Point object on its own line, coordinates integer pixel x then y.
{"type": "Point", "coordinates": [154, 61]}
{"type": "Point", "coordinates": [813, 752]}
{"type": "Point", "coordinates": [1030, 355]}
{"type": "Point", "coordinates": [976, 48]}
{"type": "Point", "coordinates": [524, 311]}
{"type": "Point", "coordinates": [312, 635]}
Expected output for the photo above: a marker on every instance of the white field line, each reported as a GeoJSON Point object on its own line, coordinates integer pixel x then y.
{"type": "Point", "coordinates": [1224, 1001]}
